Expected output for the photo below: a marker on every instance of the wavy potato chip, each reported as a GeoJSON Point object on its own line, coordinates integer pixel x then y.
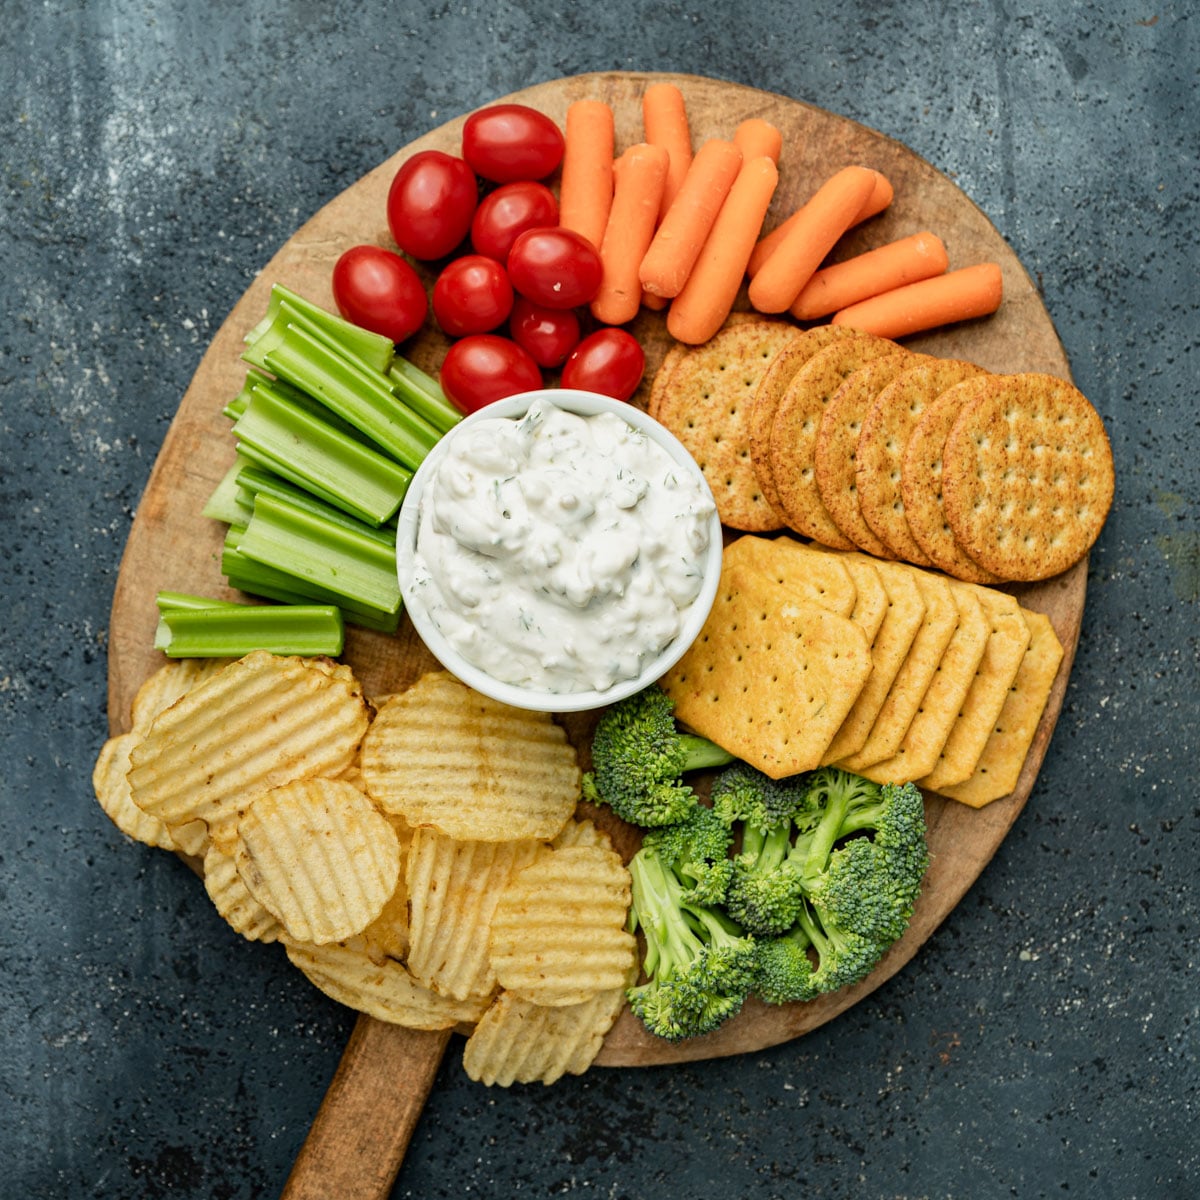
{"type": "Point", "coordinates": [262, 721]}
{"type": "Point", "coordinates": [453, 889]}
{"type": "Point", "coordinates": [558, 933]}
{"type": "Point", "coordinates": [346, 972]}
{"type": "Point", "coordinates": [172, 681]}
{"type": "Point", "coordinates": [110, 782]}
{"type": "Point", "coordinates": [580, 831]}
{"type": "Point", "coordinates": [444, 756]}
{"type": "Point", "coordinates": [232, 899]}
{"type": "Point", "coordinates": [320, 857]}
{"type": "Point", "coordinates": [519, 1042]}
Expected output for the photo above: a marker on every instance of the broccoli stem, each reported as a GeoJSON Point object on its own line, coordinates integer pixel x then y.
{"type": "Point", "coordinates": [671, 944]}
{"type": "Point", "coordinates": [701, 754]}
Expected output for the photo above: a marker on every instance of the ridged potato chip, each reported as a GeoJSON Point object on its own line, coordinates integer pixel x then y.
{"type": "Point", "coordinates": [447, 757]}
{"type": "Point", "coordinates": [346, 972]}
{"type": "Point", "coordinates": [453, 888]}
{"type": "Point", "coordinates": [261, 722]}
{"type": "Point", "coordinates": [581, 832]}
{"type": "Point", "coordinates": [172, 681]}
{"type": "Point", "coordinates": [558, 933]}
{"type": "Point", "coordinates": [110, 782]}
{"type": "Point", "coordinates": [232, 899]}
{"type": "Point", "coordinates": [519, 1042]}
{"type": "Point", "coordinates": [319, 856]}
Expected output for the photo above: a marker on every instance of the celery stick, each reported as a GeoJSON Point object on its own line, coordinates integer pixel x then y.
{"type": "Point", "coordinates": [225, 503]}
{"type": "Point", "coordinates": [357, 395]}
{"type": "Point", "coordinates": [372, 348]}
{"type": "Point", "coordinates": [279, 466]}
{"type": "Point", "coordinates": [423, 394]}
{"type": "Point", "coordinates": [231, 630]}
{"type": "Point", "coordinates": [283, 536]}
{"type": "Point", "coordinates": [188, 602]}
{"type": "Point", "coordinates": [321, 458]}
{"type": "Point", "coordinates": [252, 480]}
{"type": "Point", "coordinates": [260, 580]}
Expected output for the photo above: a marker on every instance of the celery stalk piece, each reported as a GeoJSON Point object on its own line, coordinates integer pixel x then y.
{"type": "Point", "coordinates": [372, 348]}
{"type": "Point", "coordinates": [231, 630]}
{"type": "Point", "coordinates": [225, 503]}
{"type": "Point", "coordinates": [188, 602]}
{"type": "Point", "coordinates": [283, 536]}
{"type": "Point", "coordinates": [278, 466]}
{"type": "Point", "coordinates": [257, 579]}
{"type": "Point", "coordinates": [364, 399]}
{"type": "Point", "coordinates": [423, 394]}
{"type": "Point", "coordinates": [251, 480]}
{"type": "Point", "coordinates": [321, 458]}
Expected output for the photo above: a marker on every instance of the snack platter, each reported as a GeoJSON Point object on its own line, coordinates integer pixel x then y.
{"type": "Point", "coordinates": [172, 546]}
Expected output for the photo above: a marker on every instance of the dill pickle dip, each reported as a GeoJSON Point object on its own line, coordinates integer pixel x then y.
{"type": "Point", "coordinates": [557, 551]}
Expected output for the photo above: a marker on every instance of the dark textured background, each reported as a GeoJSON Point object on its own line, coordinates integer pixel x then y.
{"type": "Point", "coordinates": [1043, 1043]}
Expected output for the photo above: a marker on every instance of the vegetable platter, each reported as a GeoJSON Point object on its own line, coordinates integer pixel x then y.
{"type": "Point", "coordinates": [360, 1134]}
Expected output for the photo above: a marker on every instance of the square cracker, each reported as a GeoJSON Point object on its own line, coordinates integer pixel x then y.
{"type": "Point", "coordinates": [814, 576]}
{"type": "Point", "coordinates": [915, 675]}
{"type": "Point", "coordinates": [870, 596]}
{"type": "Point", "coordinates": [769, 678]}
{"type": "Point", "coordinates": [943, 699]}
{"type": "Point", "coordinates": [1001, 660]}
{"type": "Point", "coordinates": [1004, 755]}
{"type": "Point", "coordinates": [902, 618]}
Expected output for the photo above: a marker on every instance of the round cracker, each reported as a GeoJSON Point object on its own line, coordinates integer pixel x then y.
{"type": "Point", "coordinates": [837, 447]}
{"type": "Point", "coordinates": [770, 391]}
{"type": "Point", "coordinates": [921, 486]}
{"type": "Point", "coordinates": [792, 444]}
{"type": "Point", "coordinates": [1027, 475]}
{"type": "Point", "coordinates": [706, 404]}
{"type": "Point", "coordinates": [881, 444]}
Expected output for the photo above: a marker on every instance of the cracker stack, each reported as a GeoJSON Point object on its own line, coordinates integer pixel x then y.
{"type": "Point", "coordinates": [860, 444]}
{"type": "Point", "coordinates": [812, 656]}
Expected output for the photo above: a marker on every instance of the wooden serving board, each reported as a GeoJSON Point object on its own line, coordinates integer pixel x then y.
{"type": "Point", "coordinates": [362, 1130]}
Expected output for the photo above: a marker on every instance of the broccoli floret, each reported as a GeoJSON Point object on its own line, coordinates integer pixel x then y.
{"type": "Point", "coordinates": [784, 972]}
{"type": "Point", "coordinates": [639, 757]}
{"type": "Point", "coordinates": [699, 965]}
{"type": "Point", "coordinates": [764, 888]}
{"type": "Point", "coordinates": [697, 849]}
{"type": "Point", "coordinates": [843, 956]}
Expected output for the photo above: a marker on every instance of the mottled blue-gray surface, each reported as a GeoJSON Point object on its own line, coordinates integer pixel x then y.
{"type": "Point", "coordinates": [1043, 1043]}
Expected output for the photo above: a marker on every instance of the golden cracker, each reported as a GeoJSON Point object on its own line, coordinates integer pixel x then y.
{"type": "Point", "coordinates": [771, 682]}
{"type": "Point", "coordinates": [707, 402]}
{"type": "Point", "coordinates": [870, 596]}
{"type": "Point", "coordinates": [1027, 476]}
{"type": "Point", "coordinates": [836, 450]}
{"type": "Point", "coordinates": [770, 391]}
{"type": "Point", "coordinates": [903, 618]}
{"type": "Point", "coordinates": [999, 766]}
{"type": "Point", "coordinates": [921, 487]}
{"type": "Point", "coordinates": [808, 574]}
{"type": "Point", "coordinates": [792, 443]}
{"type": "Point", "coordinates": [915, 674]}
{"type": "Point", "coordinates": [1006, 646]}
{"type": "Point", "coordinates": [881, 444]}
{"type": "Point", "coordinates": [943, 699]}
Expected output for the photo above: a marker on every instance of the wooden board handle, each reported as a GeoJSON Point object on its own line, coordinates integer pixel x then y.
{"type": "Point", "coordinates": [362, 1129]}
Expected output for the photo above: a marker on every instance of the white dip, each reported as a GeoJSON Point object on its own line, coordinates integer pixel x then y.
{"type": "Point", "coordinates": [558, 552]}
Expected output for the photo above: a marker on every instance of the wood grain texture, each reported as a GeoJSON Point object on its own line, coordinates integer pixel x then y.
{"type": "Point", "coordinates": [172, 546]}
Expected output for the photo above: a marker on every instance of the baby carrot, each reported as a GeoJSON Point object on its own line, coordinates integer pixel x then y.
{"type": "Point", "coordinates": [586, 187]}
{"type": "Point", "coordinates": [641, 175]}
{"type": "Point", "coordinates": [707, 298]}
{"type": "Point", "coordinates": [755, 137]}
{"type": "Point", "coordinates": [920, 256]}
{"type": "Point", "coordinates": [664, 116]}
{"type": "Point", "coordinates": [682, 231]}
{"type": "Point", "coordinates": [957, 296]}
{"type": "Point", "coordinates": [876, 202]}
{"type": "Point", "coordinates": [818, 226]}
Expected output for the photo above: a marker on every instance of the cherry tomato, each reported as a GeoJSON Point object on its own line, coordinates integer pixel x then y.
{"type": "Point", "coordinates": [486, 367]}
{"type": "Point", "coordinates": [557, 268]}
{"type": "Point", "coordinates": [378, 290]}
{"type": "Point", "coordinates": [548, 334]}
{"type": "Point", "coordinates": [430, 204]}
{"type": "Point", "coordinates": [508, 211]}
{"type": "Point", "coordinates": [507, 142]}
{"type": "Point", "coordinates": [609, 361]}
{"type": "Point", "coordinates": [472, 295]}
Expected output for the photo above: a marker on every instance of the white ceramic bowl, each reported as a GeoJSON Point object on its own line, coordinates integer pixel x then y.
{"type": "Point", "coordinates": [585, 404]}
